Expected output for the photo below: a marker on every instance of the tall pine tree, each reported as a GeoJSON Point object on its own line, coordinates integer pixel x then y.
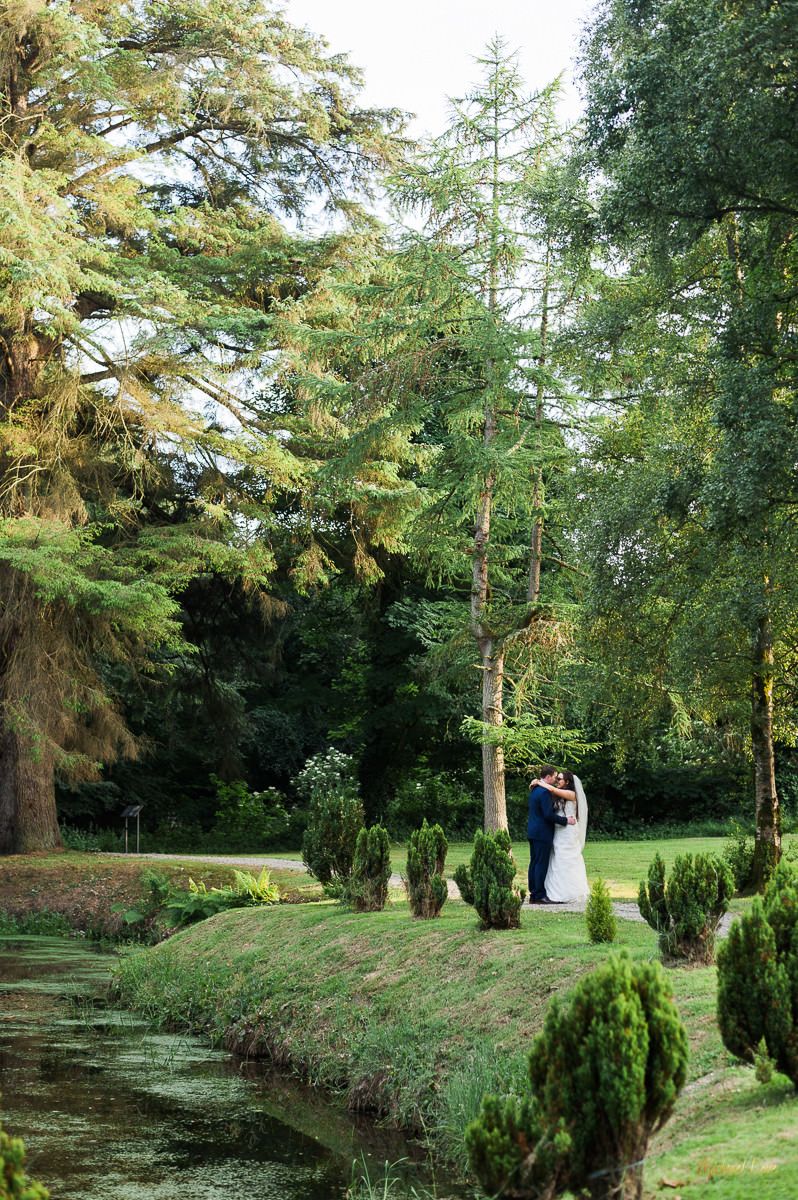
{"type": "Point", "coordinates": [146, 154]}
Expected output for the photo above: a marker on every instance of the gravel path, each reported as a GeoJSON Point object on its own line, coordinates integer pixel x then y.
{"type": "Point", "coordinates": [627, 910]}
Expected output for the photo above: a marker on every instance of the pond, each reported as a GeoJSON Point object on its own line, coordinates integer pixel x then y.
{"type": "Point", "coordinates": [111, 1110]}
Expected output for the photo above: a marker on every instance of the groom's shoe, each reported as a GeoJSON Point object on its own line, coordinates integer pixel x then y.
{"type": "Point", "coordinates": [545, 900]}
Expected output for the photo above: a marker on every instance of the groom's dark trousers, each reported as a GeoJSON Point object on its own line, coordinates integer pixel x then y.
{"type": "Point", "coordinates": [540, 831]}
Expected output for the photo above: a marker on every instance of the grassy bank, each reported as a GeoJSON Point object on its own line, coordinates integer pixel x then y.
{"type": "Point", "coordinates": [415, 1020]}
{"type": "Point", "coordinates": [87, 893]}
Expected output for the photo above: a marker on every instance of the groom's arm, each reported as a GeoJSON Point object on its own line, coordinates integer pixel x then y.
{"type": "Point", "coordinates": [549, 812]}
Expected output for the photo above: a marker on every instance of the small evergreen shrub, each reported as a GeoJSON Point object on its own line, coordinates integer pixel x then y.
{"type": "Point", "coordinates": [738, 853]}
{"type": "Point", "coordinates": [488, 883]}
{"type": "Point", "coordinates": [367, 887]}
{"type": "Point", "coordinates": [15, 1184]}
{"type": "Point", "coordinates": [687, 910]}
{"type": "Point", "coordinates": [758, 979]}
{"type": "Point", "coordinates": [599, 915]}
{"type": "Point", "coordinates": [605, 1073]}
{"type": "Point", "coordinates": [425, 883]}
{"type": "Point", "coordinates": [335, 817]}
{"type": "Point", "coordinates": [465, 884]}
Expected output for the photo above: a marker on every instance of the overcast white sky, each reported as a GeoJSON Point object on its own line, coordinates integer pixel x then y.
{"type": "Point", "coordinates": [416, 53]}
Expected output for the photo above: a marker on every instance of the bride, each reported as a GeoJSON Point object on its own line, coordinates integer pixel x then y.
{"type": "Point", "coordinates": [566, 879]}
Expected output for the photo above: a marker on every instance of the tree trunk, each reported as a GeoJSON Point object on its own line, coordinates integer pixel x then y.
{"type": "Point", "coordinates": [493, 756]}
{"type": "Point", "coordinates": [536, 547]}
{"type": "Point", "coordinates": [767, 849]}
{"type": "Point", "coordinates": [28, 818]}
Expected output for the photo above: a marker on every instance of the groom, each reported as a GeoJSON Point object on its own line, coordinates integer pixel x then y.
{"type": "Point", "coordinates": [540, 831]}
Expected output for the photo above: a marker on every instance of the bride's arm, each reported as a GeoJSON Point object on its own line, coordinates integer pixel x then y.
{"type": "Point", "coordinates": [566, 793]}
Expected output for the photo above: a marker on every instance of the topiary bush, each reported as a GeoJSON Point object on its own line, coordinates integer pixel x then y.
{"type": "Point", "coordinates": [367, 886]}
{"type": "Point", "coordinates": [488, 881]}
{"type": "Point", "coordinates": [605, 1072]}
{"type": "Point", "coordinates": [687, 910]}
{"type": "Point", "coordinates": [335, 816]}
{"type": "Point", "coordinates": [599, 915]}
{"type": "Point", "coordinates": [758, 978]}
{"type": "Point", "coordinates": [426, 886]}
{"type": "Point", "coordinates": [15, 1184]}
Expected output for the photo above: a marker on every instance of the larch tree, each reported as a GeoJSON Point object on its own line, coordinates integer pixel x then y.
{"type": "Point", "coordinates": [435, 389]}
{"type": "Point", "coordinates": [691, 138]}
{"type": "Point", "coordinates": [147, 154]}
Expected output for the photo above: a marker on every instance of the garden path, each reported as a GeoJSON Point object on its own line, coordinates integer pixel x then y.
{"type": "Point", "coordinates": [627, 910]}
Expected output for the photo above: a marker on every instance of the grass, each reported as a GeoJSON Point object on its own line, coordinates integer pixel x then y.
{"type": "Point", "coordinates": [416, 1020]}
{"type": "Point", "coordinates": [73, 890]}
{"type": "Point", "coordinates": [621, 864]}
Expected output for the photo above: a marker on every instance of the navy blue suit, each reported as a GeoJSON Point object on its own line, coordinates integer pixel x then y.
{"type": "Point", "coordinates": [540, 832]}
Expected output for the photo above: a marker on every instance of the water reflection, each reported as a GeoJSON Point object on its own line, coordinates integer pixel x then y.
{"type": "Point", "coordinates": [113, 1111]}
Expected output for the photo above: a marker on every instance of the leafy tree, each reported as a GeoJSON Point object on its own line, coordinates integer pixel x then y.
{"type": "Point", "coordinates": [433, 387]}
{"type": "Point", "coordinates": [691, 130]}
{"type": "Point", "coordinates": [145, 152]}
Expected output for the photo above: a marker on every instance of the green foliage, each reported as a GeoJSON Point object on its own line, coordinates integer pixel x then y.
{"type": "Point", "coordinates": [118, 488]}
{"type": "Point", "coordinates": [465, 883]}
{"type": "Point", "coordinates": [367, 887]}
{"type": "Point", "coordinates": [687, 910]}
{"type": "Point", "coordinates": [248, 820]}
{"type": "Point", "coordinates": [605, 1072]}
{"type": "Point", "coordinates": [427, 889]}
{"type": "Point", "coordinates": [599, 915]}
{"type": "Point", "coordinates": [15, 1184]}
{"type": "Point", "coordinates": [200, 902]}
{"type": "Point", "coordinates": [758, 979]}
{"type": "Point", "coordinates": [738, 853]}
{"type": "Point", "coordinates": [488, 882]}
{"type": "Point", "coordinates": [335, 816]}
{"type": "Point", "coordinates": [434, 796]}
{"type": "Point", "coordinates": [691, 541]}
{"type": "Point", "coordinates": [511, 1151]}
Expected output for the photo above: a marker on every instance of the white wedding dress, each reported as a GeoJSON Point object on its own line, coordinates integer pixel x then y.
{"type": "Point", "coordinates": [566, 879]}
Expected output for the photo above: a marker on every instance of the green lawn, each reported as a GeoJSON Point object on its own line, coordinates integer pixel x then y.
{"type": "Point", "coordinates": [621, 864]}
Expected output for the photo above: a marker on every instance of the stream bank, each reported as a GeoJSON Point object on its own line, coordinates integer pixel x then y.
{"type": "Point", "coordinates": [111, 1109]}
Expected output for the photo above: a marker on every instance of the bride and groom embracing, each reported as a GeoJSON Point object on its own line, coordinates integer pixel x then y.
{"type": "Point", "coordinates": [556, 830]}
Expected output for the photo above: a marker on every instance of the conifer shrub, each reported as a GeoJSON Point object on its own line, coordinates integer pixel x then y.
{"type": "Point", "coordinates": [605, 1072]}
{"type": "Point", "coordinates": [488, 881]}
{"type": "Point", "coordinates": [739, 854]}
{"type": "Point", "coordinates": [367, 887]}
{"type": "Point", "coordinates": [686, 911]}
{"type": "Point", "coordinates": [425, 882]}
{"type": "Point", "coordinates": [758, 978]}
{"type": "Point", "coordinates": [335, 817]}
{"type": "Point", "coordinates": [15, 1184]}
{"type": "Point", "coordinates": [599, 915]}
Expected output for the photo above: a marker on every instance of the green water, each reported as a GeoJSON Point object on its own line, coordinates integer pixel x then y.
{"type": "Point", "coordinates": [111, 1110]}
